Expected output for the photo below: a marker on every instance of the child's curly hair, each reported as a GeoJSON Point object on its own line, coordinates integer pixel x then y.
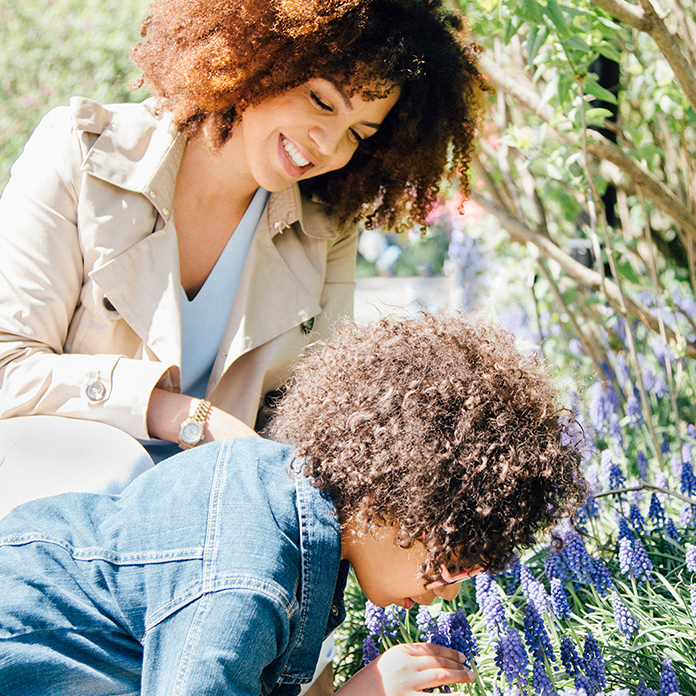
{"type": "Point", "coordinates": [438, 426]}
{"type": "Point", "coordinates": [215, 58]}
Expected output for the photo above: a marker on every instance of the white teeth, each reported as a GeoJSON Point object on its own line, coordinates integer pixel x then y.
{"type": "Point", "coordinates": [295, 155]}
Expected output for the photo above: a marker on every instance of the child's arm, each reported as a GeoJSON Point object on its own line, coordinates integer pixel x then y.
{"type": "Point", "coordinates": [408, 669]}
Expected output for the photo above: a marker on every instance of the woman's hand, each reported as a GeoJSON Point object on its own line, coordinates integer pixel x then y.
{"type": "Point", "coordinates": [409, 669]}
{"type": "Point", "coordinates": [167, 411]}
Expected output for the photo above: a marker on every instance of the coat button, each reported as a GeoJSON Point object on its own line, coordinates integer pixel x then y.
{"type": "Point", "coordinates": [95, 391]}
{"type": "Point", "coordinates": [107, 304]}
{"type": "Point", "coordinates": [153, 194]}
{"type": "Point", "coordinates": [334, 610]}
{"type": "Point", "coordinates": [165, 212]}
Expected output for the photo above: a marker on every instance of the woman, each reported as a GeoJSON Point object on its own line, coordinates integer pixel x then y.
{"type": "Point", "coordinates": [162, 265]}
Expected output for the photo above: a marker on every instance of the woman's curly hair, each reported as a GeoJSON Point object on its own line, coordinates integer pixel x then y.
{"type": "Point", "coordinates": [438, 426]}
{"type": "Point", "coordinates": [215, 58]}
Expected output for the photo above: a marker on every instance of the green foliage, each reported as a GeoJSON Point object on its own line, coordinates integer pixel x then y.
{"type": "Point", "coordinates": [57, 49]}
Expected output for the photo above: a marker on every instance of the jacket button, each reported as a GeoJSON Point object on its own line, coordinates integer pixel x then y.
{"type": "Point", "coordinates": [95, 391]}
{"type": "Point", "coordinates": [165, 212]}
{"type": "Point", "coordinates": [334, 610]}
{"type": "Point", "coordinates": [153, 194]}
{"type": "Point", "coordinates": [307, 326]}
{"type": "Point", "coordinates": [107, 304]}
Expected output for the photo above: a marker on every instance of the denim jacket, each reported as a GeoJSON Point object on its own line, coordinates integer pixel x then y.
{"type": "Point", "coordinates": [217, 572]}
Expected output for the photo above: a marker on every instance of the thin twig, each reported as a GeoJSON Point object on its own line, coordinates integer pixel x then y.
{"type": "Point", "coordinates": [645, 487]}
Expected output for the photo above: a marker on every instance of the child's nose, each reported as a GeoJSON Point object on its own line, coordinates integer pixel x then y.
{"type": "Point", "coordinates": [448, 592]}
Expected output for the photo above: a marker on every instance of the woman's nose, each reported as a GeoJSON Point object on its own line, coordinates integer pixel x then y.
{"type": "Point", "coordinates": [326, 139]}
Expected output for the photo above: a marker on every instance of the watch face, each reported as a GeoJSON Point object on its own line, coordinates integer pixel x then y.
{"type": "Point", "coordinates": [191, 433]}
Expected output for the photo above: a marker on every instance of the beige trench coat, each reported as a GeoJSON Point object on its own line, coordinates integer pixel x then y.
{"type": "Point", "coordinates": [89, 276]}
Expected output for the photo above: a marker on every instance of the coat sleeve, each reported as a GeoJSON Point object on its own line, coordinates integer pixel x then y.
{"type": "Point", "coordinates": [41, 275]}
{"type": "Point", "coordinates": [218, 645]}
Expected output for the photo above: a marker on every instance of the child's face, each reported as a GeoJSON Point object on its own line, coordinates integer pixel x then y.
{"type": "Point", "coordinates": [389, 574]}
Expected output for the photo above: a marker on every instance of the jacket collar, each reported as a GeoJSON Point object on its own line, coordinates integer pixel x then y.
{"type": "Point", "coordinates": [138, 150]}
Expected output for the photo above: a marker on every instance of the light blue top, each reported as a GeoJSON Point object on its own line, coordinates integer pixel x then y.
{"type": "Point", "coordinates": [216, 573]}
{"type": "Point", "coordinates": [204, 318]}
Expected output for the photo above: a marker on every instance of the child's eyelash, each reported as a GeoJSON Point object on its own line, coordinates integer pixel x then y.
{"type": "Point", "coordinates": [318, 101]}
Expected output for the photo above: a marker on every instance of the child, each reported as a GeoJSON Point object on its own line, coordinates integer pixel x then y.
{"type": "Point", "coordinates": [423, 450]}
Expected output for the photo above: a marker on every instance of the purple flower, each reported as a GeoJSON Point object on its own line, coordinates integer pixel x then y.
{"type": "Point", "coordinates": [636, 518]}
{"type": "Point", "coordinates": [616, 477]}
{"type": "Point", "coordinates": [633, 411]}
{"type": "Point", "coordinates": [370, 651]}
{"type": "Point", "coordinates": [601, 407]}
{"type": "Point", "coordinates": [443, 635]}
{"type": "Point", "coordinates": [394, 618]}
{"type": "Point", "coordinates": [624, 528]}
{"type": "Point", "coordinates": [693, 602]}
{"type": "Point", "coordinates": [575, 555]}
{"type": "Point", "coordinates": [648, 379]}
{"type": "Point", "coordinates": [540, 680]}
{"type": "Point", "coordinates": [616, 432]}
{"type": "Point", "coordinates": [686, 515]}
{"type": "Point", "coordinates": [625, 555]}
{"type": "Point", "coordinates": [671, 530]}
{"type": "Point", "coordinates": [624, 619]}
{"type": "Point", "coordinates": [374, 618]}
{"type": "Point", "coordinates": [426, 624]}
{"type": "Point", "coordinates": [665, 445]}
{"type": "Point", "coordinates": [559, 599]}
{"type": "Point", "coordinates": [535, 634]}
{"type": "Point", "coordinates": [660, 387]}
{"type": "Point", "coordinates": [462, 636]}
{"type": "Point", "coordinates": [600, 576]}
{"type": "Point", "coordinates": [656, 513]}
{"type": "Point", "coordinates": [691, 558]}
{"type": "Point", "coordinates": [669, 684]}
{"type": "Point", "coordinates": [688, 480]}
{"type": "Point", "coordinates": [569, 657]}
{"type": "Point", "coordinates": [585, 685]}
{"type": "Point", "coordinates": [691, 430]}
{"type": "Point", "coordinates": [642, 464]}
{"type": "Point", "coordinates": [687, 452]}
{"type": "Point", "coordinates": [491, 604]}
{"type": "Point", "coordinates": [511, 657]}
{"type": "Point", "coordinates": [533, 590]}
{"type": "Point", "coordinates": [643, 690]}
{"type": "Point", "coordinates": [554, 567]}
{"type": "Point", "coordinates": [593, 662]}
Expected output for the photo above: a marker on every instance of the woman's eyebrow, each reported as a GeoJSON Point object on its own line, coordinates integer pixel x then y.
{"type": "Point", "coordinates": [348, 105]}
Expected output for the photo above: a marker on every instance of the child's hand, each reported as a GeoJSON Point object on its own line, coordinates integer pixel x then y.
{"type": "Point", "coordinates": [409, 669]}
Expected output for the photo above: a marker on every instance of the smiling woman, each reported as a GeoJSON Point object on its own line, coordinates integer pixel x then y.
{"type": "Point", "coordinates": [164, 264]}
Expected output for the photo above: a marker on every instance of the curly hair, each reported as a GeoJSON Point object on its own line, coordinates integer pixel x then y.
{"type": "Point", "coordinates": [212, 59]}
{"type": "Point", "coordinates": [438, 426]}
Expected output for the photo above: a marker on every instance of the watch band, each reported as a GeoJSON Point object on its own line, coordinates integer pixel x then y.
{"type": "Point", "coordinates": [192, 430]}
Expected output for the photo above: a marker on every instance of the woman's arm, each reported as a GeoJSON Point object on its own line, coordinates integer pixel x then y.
{"type": "Point", "coordinates": [41, 276]}
{"type": "Point", "coordinates": [167, 411]}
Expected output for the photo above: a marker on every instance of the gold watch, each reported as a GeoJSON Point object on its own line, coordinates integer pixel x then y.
{"type": "Point", "coordinates": [192, 430]}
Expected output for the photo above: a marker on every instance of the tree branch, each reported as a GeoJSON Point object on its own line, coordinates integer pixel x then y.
{"type": "Point", "coordinates": [519, 86]}
{"type": "Point", "coordinates": [519, 232]}
{"type": "Point", "coordinates": [646, 487]}
{"type": "Point", "coordinates": [647, 20]}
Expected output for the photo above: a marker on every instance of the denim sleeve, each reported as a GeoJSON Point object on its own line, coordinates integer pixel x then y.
{"type": "Point", "coordinates": [219, 644]}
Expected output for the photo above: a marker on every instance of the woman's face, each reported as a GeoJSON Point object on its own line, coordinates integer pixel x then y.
{"type": "Point", "coordinates": [307, 131]}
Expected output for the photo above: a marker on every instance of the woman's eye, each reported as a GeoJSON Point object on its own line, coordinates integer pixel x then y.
{"type": "Point", "coordinates": [358, 138]}
{"type": "Point", "coordinates": [319, 102]}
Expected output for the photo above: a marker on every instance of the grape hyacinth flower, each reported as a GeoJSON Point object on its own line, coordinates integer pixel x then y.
{"type": "Point", "coordinates": [624, 528]}
{"type": "Point", "coordinates": [624, 619]}
{"type": "Point", "coordinates": [616, 433]}
{"type": "Point", "coordinates": [634, 411]}
{"type": "Point", "coordinates": [643, 690]}
{"type": "Point", "coordinates": [491, 604]}
{"type": "Point", "coordinates": [693, 602]}
{"type": "Point", "coordinates": [656, 513]}
{"type": "Point", "coordinates": [676, 465]}
{"type": "Point", "coordinates": [600, 577]}
{"type": "Point", "coordinates": [426, 624]}
{"type": "Point", "coordinates": [462, 636]}
{"type": "Point", "coordinates": [593, 662]}
{"type": "Point", "coordinates": [540, 680]}
{"type": "Point", "coordinates": [686, 515]}
{"type": "Point", "coordinates": [370, 651]}
{"type": "Point", "coordinates": [642, 465]}
{"type": "Point", "coordinates": [688, 480]}
{"type": "Point", "coordinates": [569, 657]}
{"type": "Point", "coordinates": [671, 530]}
{"type": "Point", "coordinates": [616, 477]}
{"type": "Point", "coordinates": [669, 684]}
{"type": "Point", "coordinates": [536, 636]}
{"type": "Point", "coordinates": [533, 590]}
{"type": "Point", "coordinates": [554, 567]}
{"type": "Point", "coordinates": [648, 379]}
{"type": "Point", "coordinates": [691, 558]}
{"type": "Point", "coordinates": [374, 618]}
{"type": "Point", "coordinates": [395, 616]}
{"type": "Point", "coordinates": [691, 430]}
{"type": "Point", "coordinates": [634, 561]}
{"type": "Point", "coordinates": [511, 656]}
{"type": "Point", "coordinates": [660, 387]}
{"type": "Point", "coordinates": [636, 518]}
{"type": "Point", "coordinates": [559, 599]}
{"type": "Point", "coordinates": [585, 685]}
{"type": "Point", "coordinates": [575, 555]}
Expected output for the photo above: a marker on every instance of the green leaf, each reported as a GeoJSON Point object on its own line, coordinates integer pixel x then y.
{"type": "Point", "coordinates": [536, 39]}
{"type": "Point", "coordinates": [596, 117]}
{"type": "Point", "coordinates": [591, 86]}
